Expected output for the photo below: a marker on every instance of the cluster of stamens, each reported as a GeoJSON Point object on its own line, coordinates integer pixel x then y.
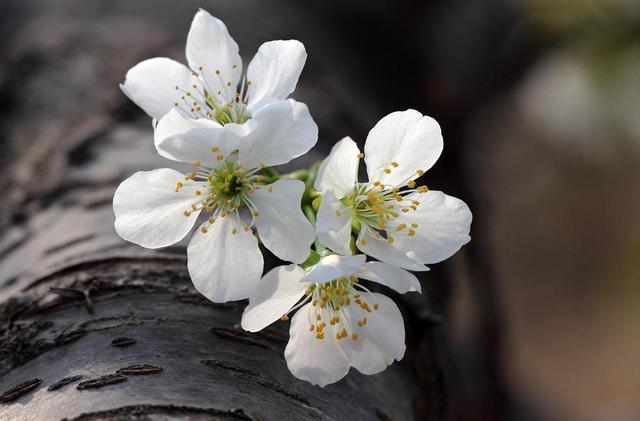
{"type": "Point", "coordinates": [222, 190]}
{"type": "Point", "coordinates": [378, 207]}
{"type": "Point", "coordinates": [328, 304]}
{"type": "Point", "coordinates": [227, 105]}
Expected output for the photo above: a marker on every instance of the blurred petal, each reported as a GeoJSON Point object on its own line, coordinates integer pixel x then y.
{"type": "Point", "coordinates": [151, 84]}
{"type": "Point", "coordinates": [339, 171]}
{"type": "Point", "coordinates": [273, 297]}
{"type": "Point", "coordinates": [282, 226]}
{"type": "Point", "coordinates": [274, 71]}
{"type": "Point", "coordinates": [225, 263]}
{"type": "Point", "coordinates": [406, 138]}
{"type": "Point", "coordinates": [149, 211]}
{"type": "Point", "coordinates": [282, 131]}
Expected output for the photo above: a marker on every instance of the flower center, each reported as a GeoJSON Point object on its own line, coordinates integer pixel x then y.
{"type": "Point", "coordinates": [226, 105]}
{"type": "Point", "coordinates": [329, 301]}
{"type": "Point", "coordinates": [222, 190]}
{"type": "Point", "coordinates": [380, 209]}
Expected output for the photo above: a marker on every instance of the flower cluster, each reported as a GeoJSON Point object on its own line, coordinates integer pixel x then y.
{"type": "Point", "coordinates": [233, 128]}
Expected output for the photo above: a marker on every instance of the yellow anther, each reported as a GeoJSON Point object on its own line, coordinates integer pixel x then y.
{"type": "Point", "coordinates": [376, 183]}
{"type": "Point", "coordinates": [270, 189]}
{"type": "Point", "coordinates": [360, 155]}
{"type": "Point", "coordinates": [193, 207]}
{"type": "Point", "coordinates": [338, 213]}
{"type": "Point", "coordinates": [234, 231]}
{"type": "Point", "coordinates": [197, 163]}
{"type": "Point", "coordinates": [394, 164]}
{"type": "Point", "coordinates": [255, 213]}
{"type": "Point", "coordinates": [312, 328]}
{"type": "Point", "coordinates": [217, 71]}
{"type": "Point", "coordinates": [215, 149]}
{"type": "Point", "coordinates": [414, 225]}
{"type": "Point", "coordinates": [420, 173]}
{"type": "Point", "coordinates": [245, 227]}
{"type": "Point", "coordinates": [411, 232]}
{"type": "Point", "coordinates": [354, 336]}
{"type": "Point", "coordinates": [284, 318]}
{"type": "Point", "coordinates": [401, 227]}
{"type": "Point", "coordinates": [204, 230]}
{"type": "Point", "coordinates": [318, 317]}
{"type": "Point", "coordinates": [422, 189]}
{"type": "Point", "coordinates": [387, 171]}
{"type": "Point", "coordinates": [390, 239]}
{"type": "Point", "coordinates": [186, 213]}
{"type": "Point", "coordinates": [363, 242]}
{"type": "Point", "coordinates": [219, 157]}
{"type": "Point", "coordinates": [411, 184]}
{"type": "Point", "coordinates": [198, 193]}
{"type": "Point", "coordinates": [223, 214]}
{"type": "Point", "coordinates": [211, 219]}
{"type": "Point", "coordinates": [415, 202]}
{"type": "Point", "coordinates": [405, 210]}
{"type": "Point", "coordinates": [179, 185]}
{"type": "Point", "coordinates": [375, 306]}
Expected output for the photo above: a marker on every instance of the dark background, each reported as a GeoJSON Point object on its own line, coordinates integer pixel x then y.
{"type": "Point", "coordinates": [539, 103]}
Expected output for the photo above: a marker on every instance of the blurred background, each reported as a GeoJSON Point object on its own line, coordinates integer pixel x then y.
{"type": "Point", "coordinates": [539, 102]}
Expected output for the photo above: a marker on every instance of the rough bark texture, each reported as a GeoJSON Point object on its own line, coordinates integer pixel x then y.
{"type": "Point", "coordinates": [95, 328]}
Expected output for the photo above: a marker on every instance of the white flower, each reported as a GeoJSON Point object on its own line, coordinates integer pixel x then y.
{"type": "Point", "coordinates": [340, 323]}
{"type": "Point", "coordinates": [212, 90]}
{"type": "Point", "coordinates": [158, 208]}
{"type": "Point", "coordinates": [399, 223]}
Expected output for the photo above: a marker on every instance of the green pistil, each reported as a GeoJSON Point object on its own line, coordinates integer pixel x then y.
{"type": "Point", "coordinates": [228, 185]}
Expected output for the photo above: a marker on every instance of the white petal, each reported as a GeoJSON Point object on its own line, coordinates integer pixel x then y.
{"type": "Point", "coordinates": [274, 70]}
{"type": "Point", "coordinates": [210, 47]}
{"type": "Point", "coordinates": [151, 84]}
{"type": "Point", "coordinates": [443, 226]}
{"type": "Point", "coordinates": [333, 266]}
{"type": "Point", "coordinates": [333, 226]}
{"type": "Point", "coordinates": [391, 276]}
{"type": "Point", "coordinates": [339, 170]}
{"type": "Point", "coordinates": [282, 226]}
{"type": "Point", "coordinates": [273, 297]}
{"type": "Point", "coordinates": [283, 130]}
{"type": "Point", "coordinates": [407, 138]}
{"type": "Point", "coordinates": [318, 361]}
{"type": "Point", "coordinates": [225, 263]}
{"type": "Point", "coordinates": [380, 341]}
{"type": "Point", "coordinates": [149, 211]}
{"type": "Point", "coordinates": [183, 139]}
{"type": "Point", "coordinates": [387, 253]}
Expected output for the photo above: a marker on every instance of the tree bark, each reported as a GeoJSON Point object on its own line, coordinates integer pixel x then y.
{"type": "Point", "coordinates": [96, 328]}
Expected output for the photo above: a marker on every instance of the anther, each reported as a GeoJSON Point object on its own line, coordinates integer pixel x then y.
{"type": "Point", "coordinates": [360, 155]}
{"type": "Point", "coordinates": [394, 164]}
